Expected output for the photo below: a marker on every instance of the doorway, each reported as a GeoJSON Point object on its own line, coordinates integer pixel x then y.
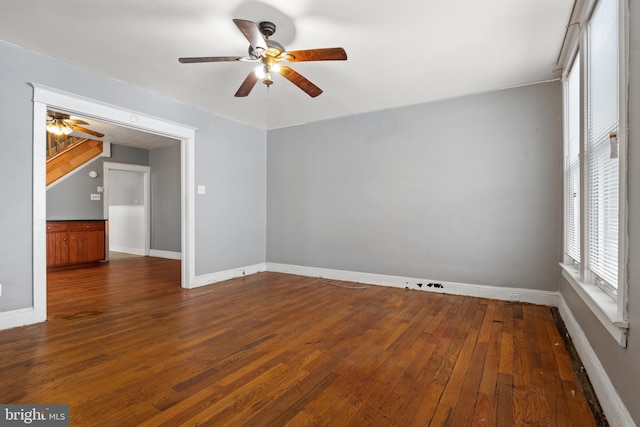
{"type": "Point", "coordinates": [126, 206]}
{"type": "Point", "coordinates": [44, 98]}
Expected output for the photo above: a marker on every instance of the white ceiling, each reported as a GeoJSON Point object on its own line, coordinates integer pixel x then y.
{"type": "Point", "coordinates": [120, 135]}
{"type": "Point", "coordinates": [126, 136]}
{"type": "Point", "coordinates": [400, 52]}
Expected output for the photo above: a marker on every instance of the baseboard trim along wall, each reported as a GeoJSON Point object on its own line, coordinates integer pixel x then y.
{"type": "Point", "coordinates": [20, 317]}
{"type": "Point", "coordinates": [165, 254]}
{"type": "Point", "coordinates": [208, 279]}
{"type": "Point", "coordinates": [612, 406]}
{"type": "Point", "coordinates": [126, 250]}
{"type": "Point", "coordinates": [532, 296]}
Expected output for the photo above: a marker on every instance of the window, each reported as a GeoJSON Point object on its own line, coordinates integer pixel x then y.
{"type": "Point", "coordinates": [602, 124]}
{"type": "Point", "coordinates": [572, 162]}
{"type": "Point", "coordinates": [594, 167]}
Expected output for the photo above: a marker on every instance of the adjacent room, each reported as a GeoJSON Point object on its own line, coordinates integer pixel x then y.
{"type": "Point", "coordinates": [319, 213]}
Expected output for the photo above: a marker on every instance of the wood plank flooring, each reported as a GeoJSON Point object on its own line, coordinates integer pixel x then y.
{"type": "Point", "coordinates": [126, 346]}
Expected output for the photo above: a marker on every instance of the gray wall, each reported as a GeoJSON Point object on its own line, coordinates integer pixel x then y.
{"type": "Point", "coordinates": [125, 154]}
{"type": "Point", "coordinates": [466, 190]}
{"type": "Point", "coordinates": [621, 364]}
{"type": "Point", "coordinates": [230, 160]}
{"type": "Point", "coordinates": [231, 167]}
{"type": "Point", "coordinates": [165, 198]}
{"type": "Point", "coordinates": [70, 198]}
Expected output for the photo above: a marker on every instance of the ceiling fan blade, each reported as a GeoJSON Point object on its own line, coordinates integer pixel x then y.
{"type": "Point", "coordinates": [76, 122]}
{"type": "Point", "coordinates": [210, 59]}
{"type": "Point", "coordinates": [326, 54]}
{"type": "Point", "coordinates": [248, 84]}
{"type": "Point", "coordinates": [252, 33]}
{"type": "Point", "coordinates": [55, 115]}
{"type": "Point", "coordinates": [299, 80]}
{"type": "Point", "coordinates": [89, 131]}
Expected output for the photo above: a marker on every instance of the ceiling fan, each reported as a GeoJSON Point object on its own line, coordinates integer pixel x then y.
{"type": "Point", "coordinates": [269, 54]}
{"type": "Point", "coordinates": [63, 124]}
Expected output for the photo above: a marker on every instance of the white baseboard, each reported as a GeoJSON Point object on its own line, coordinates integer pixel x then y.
{"type": "Point", "coordinates": [532, 296]}
{"type": "Point", "coordinates": [16, 318]}
{"type": "Point", "coordinates": [165, 254]}
{"type": "Point", "coordinates": [127, 250]}
{"type": "Point", "coordinates": [615, 410]}
{"type": "Point", "coordinates": [208, 279]}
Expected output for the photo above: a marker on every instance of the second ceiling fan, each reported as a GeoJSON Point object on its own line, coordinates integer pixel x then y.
{"type": "Point", "coordinates": [270, 54]}
{"type": "Point", "coordinates": [62, 124]}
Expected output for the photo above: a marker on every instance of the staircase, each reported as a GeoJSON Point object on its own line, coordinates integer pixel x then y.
{"type": "Point", "coordinates": [66, 153]}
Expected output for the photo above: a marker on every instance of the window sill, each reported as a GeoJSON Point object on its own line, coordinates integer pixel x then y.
{"type": "Point", "coordinates": [600, 304]}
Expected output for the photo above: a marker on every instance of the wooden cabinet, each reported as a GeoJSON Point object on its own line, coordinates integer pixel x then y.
{"type": "Point", "coordinates": [73, 243]}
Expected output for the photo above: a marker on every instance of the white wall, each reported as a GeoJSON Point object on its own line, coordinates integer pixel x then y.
{"type": "Point", "coordinates": [127, 214]}
{"type": "Point", "coordinates": [126, 229]}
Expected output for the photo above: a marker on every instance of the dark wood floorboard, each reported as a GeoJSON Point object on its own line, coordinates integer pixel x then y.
{"type": "Point", "coordinates": [124, 345]}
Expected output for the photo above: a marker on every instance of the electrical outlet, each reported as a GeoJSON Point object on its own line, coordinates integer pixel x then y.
{"type": "Point", "coordinates": [95, 197]}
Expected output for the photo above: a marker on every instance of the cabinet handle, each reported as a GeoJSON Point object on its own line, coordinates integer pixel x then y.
{"type": "Point", "coordinates": [88, 226]}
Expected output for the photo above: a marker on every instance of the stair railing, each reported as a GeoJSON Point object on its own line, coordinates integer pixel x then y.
{"type": "Point", "coordinates": [58, 144]}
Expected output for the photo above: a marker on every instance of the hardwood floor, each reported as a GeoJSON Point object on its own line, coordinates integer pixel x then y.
{"type": "Point", "coordinates": [126, 346]}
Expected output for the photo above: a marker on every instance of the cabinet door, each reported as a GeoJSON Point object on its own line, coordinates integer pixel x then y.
{"type": "Point", "coordinates": [57, 244]}
{"type": "Point", "coordinates": [86, 242]}
{"type": "Point", "coordinates": [57, 248]}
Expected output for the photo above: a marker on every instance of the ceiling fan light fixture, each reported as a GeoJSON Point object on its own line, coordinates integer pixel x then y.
{"type": "Point", "coordinates": [58, 127]}
{"type": "Point", "coordinates": [263, 72]}
{"type": "Point", "coordinates": [267, 76]}
{"type": "Point", "coordinates": [52, 128]}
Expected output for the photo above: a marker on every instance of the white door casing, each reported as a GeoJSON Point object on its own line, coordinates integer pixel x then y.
{"type": "Point", "coordinates": [45, 97]}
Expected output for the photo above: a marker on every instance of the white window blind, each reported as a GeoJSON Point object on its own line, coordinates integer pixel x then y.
{"type": "Point", "coordinates": [572, 166]}
{"type": "Point", "coordinates": [602, 119]}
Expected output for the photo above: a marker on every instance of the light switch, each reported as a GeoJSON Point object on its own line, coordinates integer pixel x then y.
{"type": "Point", "coordinates": [202, 189]}
{"type": "Point", "coordinates": [100, 189]}
{"type": "Point", "coordinates": [95, 197]}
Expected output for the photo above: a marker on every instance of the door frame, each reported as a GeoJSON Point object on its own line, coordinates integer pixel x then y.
{"type": "Point", "coordinates": [145, 170]}
{"type": "Point", "coordinates": [46, 97]}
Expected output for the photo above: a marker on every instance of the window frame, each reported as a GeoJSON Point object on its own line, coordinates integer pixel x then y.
{"type": "Point", "coordinates": [568, 165]}
{"type": "Point", "coordinates": [608, 306]}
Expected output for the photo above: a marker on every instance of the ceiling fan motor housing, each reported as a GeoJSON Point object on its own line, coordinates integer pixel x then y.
{"type": "Point", "coordinates": [267, 28]}
{"type": "Point", "coordinates": [274, 49]}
